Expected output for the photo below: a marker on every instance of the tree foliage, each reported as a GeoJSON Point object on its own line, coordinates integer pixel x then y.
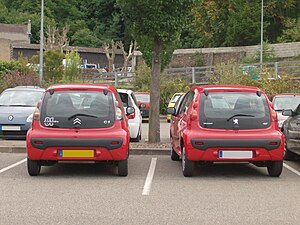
{"type": "Point", "coordinates": [211, 23]}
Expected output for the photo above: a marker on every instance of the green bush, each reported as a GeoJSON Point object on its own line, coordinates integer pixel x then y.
{"type": "Point", "coordinates": [72, 66]}
{"type": "Point", "coordinates": [10, 65]}
{"type": "Point", "coordinates": [233, 75]}
{"type": "Point", "coordinates": [53, 68]}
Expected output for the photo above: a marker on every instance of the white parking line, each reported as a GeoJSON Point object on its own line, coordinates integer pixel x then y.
{"type": "Point", "coordinates": [291, 169]}
{"type": "Point", "coordinates": [148, 182]}
{"type": "Point", "coordinates": [13, 165]}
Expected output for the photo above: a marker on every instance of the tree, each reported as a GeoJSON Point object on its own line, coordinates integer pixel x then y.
{"type": "Point", "coordinates": [127, 56]}
{"type": "Point", "coordinates": [292, 31]}
{"type": "Point", "coordinates": [110, 55]}
{"type": "Point", "coordinates": [160, 22]}
{"type": "Point", "coordinates": [85, 38]}
{"type": "Point", "coordinates": [55, 39]}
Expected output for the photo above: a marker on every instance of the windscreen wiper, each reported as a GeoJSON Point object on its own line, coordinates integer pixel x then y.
{"type": "Point", "coordinates": [81, 114]}
{"type": "Point", "coordinates": [239, 114]}
{"type": "Point", "coordinates": [21, 105]}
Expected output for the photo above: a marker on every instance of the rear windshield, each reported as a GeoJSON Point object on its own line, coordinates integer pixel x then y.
{"type": "Point", "coordinates": [142, 97]}
{"type": "Point", "coordinates": [78, 109]}
{"type": "Point", "coordinates": [234, 110]}
{"type": "Point", "coordinates": [286, 102]}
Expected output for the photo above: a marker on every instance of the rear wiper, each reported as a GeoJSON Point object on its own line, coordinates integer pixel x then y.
{"type": "Point", "coordinates": [81, 114]}
{"type": "Point", "coordinates": [21, 105]}
{"type": "Point", "coordinates": [239, 114]}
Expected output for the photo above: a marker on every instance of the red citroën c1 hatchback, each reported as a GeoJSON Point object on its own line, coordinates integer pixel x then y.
{"type": "Point", "coordinates": [79, 123]}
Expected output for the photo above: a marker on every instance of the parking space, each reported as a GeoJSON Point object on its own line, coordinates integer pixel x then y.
{"type": "Point", "coordinates": [217, 194]}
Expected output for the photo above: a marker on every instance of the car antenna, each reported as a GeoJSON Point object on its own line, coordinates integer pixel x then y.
{"type": "Point", "coordinates": [206, 92]}
{"type": "Point", "coordinates": [105, 91]}
{"type": "Point", "coordinates": [258, 92]}
{"type": "Point", "coordinates": [51, 91]}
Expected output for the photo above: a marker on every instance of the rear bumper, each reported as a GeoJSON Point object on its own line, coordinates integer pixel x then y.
{"type": "Point", "coordinates": [145, 113]}
{"type": "Point", "coordinates": [209, 149]}
{"type": "Point", "coordinates": [105, 149]}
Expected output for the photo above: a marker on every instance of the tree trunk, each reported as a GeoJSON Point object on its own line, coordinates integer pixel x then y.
{"type": "Point", "coordinates": [154, 121]}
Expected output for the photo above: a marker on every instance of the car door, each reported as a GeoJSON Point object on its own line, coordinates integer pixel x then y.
{"type": "Point", "coordinates": [180, 119]}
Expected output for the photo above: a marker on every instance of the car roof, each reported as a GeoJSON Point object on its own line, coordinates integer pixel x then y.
{"type": "Point", "coordinates": [127, 91]}
{"type": "Point", "coordinates": [23, 88]}
{"type": "Point", "coordinates": [286, 94]}
{"type": "Point", "coordinates": [219, 88]}
{"type": "Point", "coordinates": [141, 92]}
{"type": "Point", "coordinates": [92, 87]}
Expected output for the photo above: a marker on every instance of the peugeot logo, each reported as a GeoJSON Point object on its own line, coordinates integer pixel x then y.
{"type": "Point", "coordinates": [76, 121]}
{"type": "Point", "coordinates": [10, 118]}
{"type": "Point", "coordinates": [235, 122]}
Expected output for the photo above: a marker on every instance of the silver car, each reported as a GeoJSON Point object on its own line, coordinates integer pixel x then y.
{"type": "Point", "coordinates": [17, 106]}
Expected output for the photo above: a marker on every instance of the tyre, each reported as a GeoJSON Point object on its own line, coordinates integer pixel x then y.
{"type": "Point", "coordinates": [187, 165]}
{"type": "Point", "coordinates": [174, 155]}
{"type": "Point", "coordinates": [123, 168]}
{"type": "Point", "coordinates": [33, 167]}
{"type": "Point", "coordinates": [138, 137]}
{"type": "Point", "coordinates": [275, 168]}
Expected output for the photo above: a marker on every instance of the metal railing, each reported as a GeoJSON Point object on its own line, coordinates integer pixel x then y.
{"type": "Point", "coordinates": [199, 75]}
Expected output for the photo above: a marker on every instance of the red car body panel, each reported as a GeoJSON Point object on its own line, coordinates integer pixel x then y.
{"type": "Point", "coordinates": [186, 127]}
{"type": "Point", "coordinates": [117, 133]}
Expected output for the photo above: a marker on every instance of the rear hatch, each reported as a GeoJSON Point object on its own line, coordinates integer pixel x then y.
{"type": "Point", "coordinates": [78, 109]}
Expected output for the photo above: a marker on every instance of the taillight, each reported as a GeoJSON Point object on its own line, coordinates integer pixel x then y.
{"type": "Point", "coordinates": [274, 116]}
{"type": "Point", "coordinates": [131, 116]}
{"type": "Point", "coordinates": [36, 114]}
{"type": "Point", "coordinates": [119, 115]}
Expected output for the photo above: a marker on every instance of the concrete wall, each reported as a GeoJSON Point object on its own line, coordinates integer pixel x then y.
{"type": "Point", "coordinates": [15, 37]}
{"type": "Point", "coordinates": [4, 49]}
{"type": "Point", "coordinates": [212, 56]}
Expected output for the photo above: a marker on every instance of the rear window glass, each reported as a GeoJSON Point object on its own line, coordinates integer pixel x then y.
{"type": "Point", "coordinates": [286, 102]}
{"type": "Point", "coordinates": [234, 110]}
{"type": "Point", "coordinates": [80, 109]}
{"type": "Point", "coordinates": [142, 97]}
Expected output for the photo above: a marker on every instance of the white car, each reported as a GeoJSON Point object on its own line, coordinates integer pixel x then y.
{"type": "Point", "coordinates": [135, 119]}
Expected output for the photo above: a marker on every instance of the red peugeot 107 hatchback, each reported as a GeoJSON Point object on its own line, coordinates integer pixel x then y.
{"type": "Point", "coordinates": [79, 123]}
{"type": "Point", "coordinates": [226, 124]}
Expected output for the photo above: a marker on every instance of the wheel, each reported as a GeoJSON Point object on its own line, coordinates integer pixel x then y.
{"type": "Point", "coordinates": [187, 165]}
{"type": "Point", "coordinates": [123, 168]}
{"type": "Point", "coordinates": [288, 155]}
{"type": "Point", "coordinates": [174, 155]}
{"type": "Point", "coordinates": [275, 168]}
{"type": "Point", "coordinates": [33, 167]}
{"type": "Point", "coordinates": [138, 137]}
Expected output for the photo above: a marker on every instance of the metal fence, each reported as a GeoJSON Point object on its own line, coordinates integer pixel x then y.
{"type": "Point", "coordinates": [199, 75]}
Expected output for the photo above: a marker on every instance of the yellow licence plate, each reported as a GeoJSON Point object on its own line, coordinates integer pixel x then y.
{"type": "Point", "coordinates": [76, 153]}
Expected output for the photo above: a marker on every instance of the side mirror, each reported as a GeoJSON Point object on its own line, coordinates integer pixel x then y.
{"type": "Point", "coordinates": [171, 111]}
{"type": "Point", "coordinates": [142, 105]}
{"type": "Point", "coordinates": [129, 110]}
{"type": "Point", "coordinates": [287, 112]}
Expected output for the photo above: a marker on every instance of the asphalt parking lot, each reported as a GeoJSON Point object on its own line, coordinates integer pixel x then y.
{"type": "Point", "coordinates": [155, 192]}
